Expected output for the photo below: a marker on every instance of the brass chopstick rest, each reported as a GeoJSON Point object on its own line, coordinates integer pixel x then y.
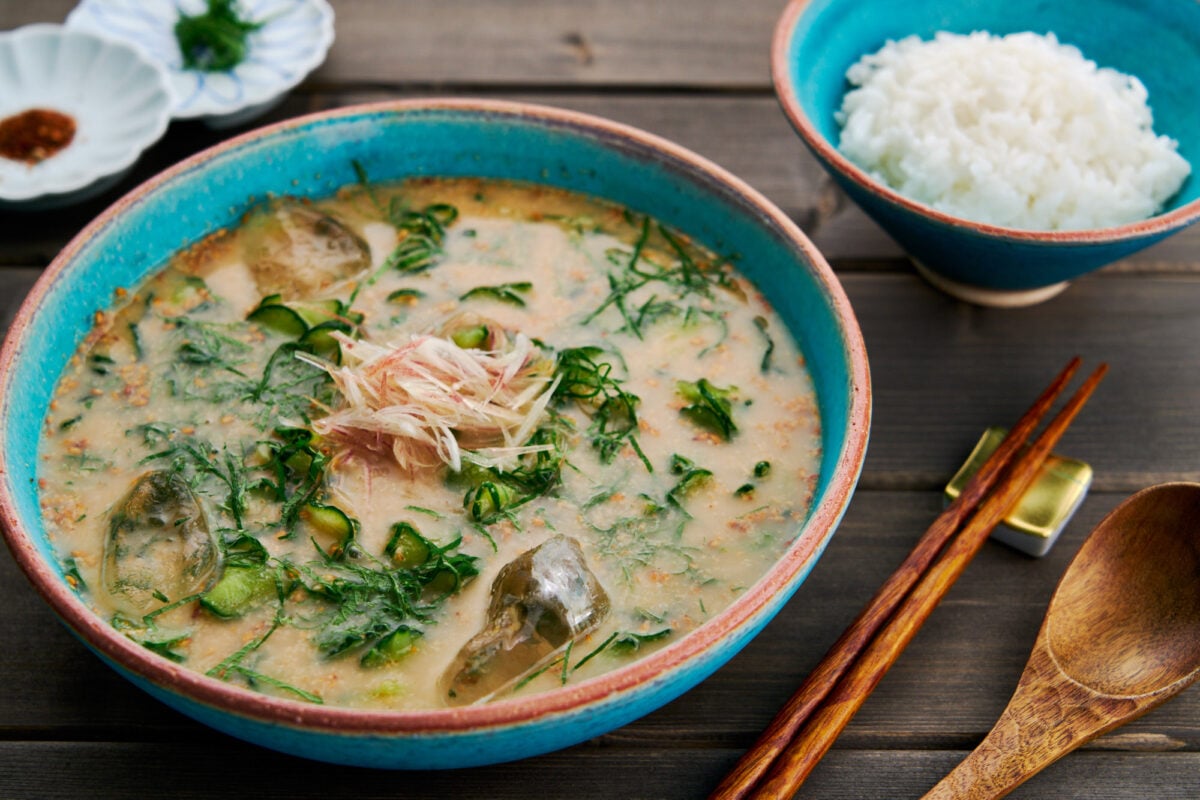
{"type": "Point", "coordinates": [1046, 506]}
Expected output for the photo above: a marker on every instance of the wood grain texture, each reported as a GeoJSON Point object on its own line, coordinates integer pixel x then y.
{"type": "Point", "coordinates": [787, 747]}
{"type": "Point", "coordinates": [695, 71]}
{"type": "Point", "coordinates": [984, 364]}
{"type": "Point", "coordinates": [749, 136]}
{"type": "Point", "coordinates": [811, 743]}
{"type": "Point", "coordinates": [746, 134]}
{"type": "Point", "coordinates": [66, 714]}
{"type": "Point", "coordinates": [944, 370]}
{"type": "Point", "coordinates": [945, 692]}
{"type": "Point", "coordinates": [532, 42]}
{"type": "Point", "coordinates": [118, 771]}
{"type": "Point", "coordinates": [1121, 636]}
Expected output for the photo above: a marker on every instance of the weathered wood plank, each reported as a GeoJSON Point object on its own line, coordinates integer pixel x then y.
{"type": "Point", "coordinates": [100, 771]}
{"type": "Point", "coordinates": [776, 163]}
{"type": "Point", "coordinates": [532, 42]}
{"type": "Point", "coordinates": [988, 364]}
{"type": "Point", "coordinates": [867, 775]}
{"type": "Point", "coordinates": [15, 283]}
{"type": "Point", "coordinates": [1137, 430]}
{"type": "Point", "coordinates": [696, 73]}
{"type": "Point", "coordinates": [943, 693]}
{"type": "Point", "coordinates": [748, 135]}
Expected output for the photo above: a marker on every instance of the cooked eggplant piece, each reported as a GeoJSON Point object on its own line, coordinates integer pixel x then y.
{"type": "Point", "coordinates": [159, 547]}
{"type": "Point", "coordinates": [541, 600]}
{"type": "Point", "coordinates": [298, 252]}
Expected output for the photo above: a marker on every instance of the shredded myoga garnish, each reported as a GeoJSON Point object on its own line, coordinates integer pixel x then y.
{"type": "Point", "coordinates": [421, 398]}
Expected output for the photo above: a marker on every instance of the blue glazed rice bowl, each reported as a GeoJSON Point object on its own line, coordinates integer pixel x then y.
{"type": "Point", "coordinates": [1157, 41]}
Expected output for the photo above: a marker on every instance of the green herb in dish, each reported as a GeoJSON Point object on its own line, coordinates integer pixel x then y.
{"type": "Point", "coordinates": [710, 406]}
{"type": "Point", "coordinates": [214, 41]}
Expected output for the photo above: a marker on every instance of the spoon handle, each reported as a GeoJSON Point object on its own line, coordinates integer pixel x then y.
{"type": "Point", "coordinates": [1047, 717]}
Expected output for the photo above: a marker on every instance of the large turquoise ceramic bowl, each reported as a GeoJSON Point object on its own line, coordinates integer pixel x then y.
{"type": "Point", "coordinates": [313, 156]}
{"type": "Point", "coordinates": [1158, 41]}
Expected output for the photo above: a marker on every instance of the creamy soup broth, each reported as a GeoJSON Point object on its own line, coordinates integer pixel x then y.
{"type": "Point", "coordinates": [675, 515]}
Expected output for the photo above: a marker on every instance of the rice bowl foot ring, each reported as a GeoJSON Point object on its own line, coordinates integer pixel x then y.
{"type": "Point", "coordinates": [994, 298]}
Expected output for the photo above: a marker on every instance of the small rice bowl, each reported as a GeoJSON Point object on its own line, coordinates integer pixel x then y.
{"type": "Point", "coordinates": [1019, 131]}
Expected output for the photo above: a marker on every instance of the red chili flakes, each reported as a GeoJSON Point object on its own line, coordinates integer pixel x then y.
{"type": "Point", "coordinates": [35, 135]}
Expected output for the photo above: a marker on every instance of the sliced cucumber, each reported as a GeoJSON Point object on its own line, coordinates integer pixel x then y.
{"type": "Point", "coordinates": [391, 648]}
{"type": "Point", "coordinates": [407, 547]}
{"type": "Point", "coordinates": [331, 524]}
{"type": "Point", "coordinates": [321, 341]}
{"type": "Point", "coordinates": [315, 312]}
{"type": "Point", "coordinates": [239, 590]}
{"type": "Point", "coordinates": [470, 338]}
{"type": "Point", "coordinates": [280, 319]}
{"type": "Point", "coordinates": [192, 293]}
{"type": "Point", "coordinates": [405, 296]}
{"type": "Point", "coordinates": [444, 582]}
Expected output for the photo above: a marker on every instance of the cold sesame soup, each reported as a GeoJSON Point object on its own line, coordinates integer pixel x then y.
{"type": "Point", "coordinates": [428, 444]}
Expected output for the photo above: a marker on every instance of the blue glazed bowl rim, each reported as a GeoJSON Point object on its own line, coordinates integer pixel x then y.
{"type": "Point", "coordinates": [789, 99]}
{"type": "Point", "coordinates": [751, 609]}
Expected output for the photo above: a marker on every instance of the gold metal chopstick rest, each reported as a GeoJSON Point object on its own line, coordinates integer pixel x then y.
{"type": "Point", "coordinates": [1035, 522]}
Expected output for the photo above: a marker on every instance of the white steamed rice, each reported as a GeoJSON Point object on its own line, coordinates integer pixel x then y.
{"type": "Point", "coordinates": [1018, 130]}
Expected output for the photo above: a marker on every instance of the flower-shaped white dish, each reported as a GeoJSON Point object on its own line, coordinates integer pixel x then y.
{"type": "Point", "coordinates": [118, 98]}
{"type": "Point", "coordinates": [292, 40]}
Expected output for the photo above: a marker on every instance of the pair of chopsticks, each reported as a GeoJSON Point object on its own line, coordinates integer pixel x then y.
{"type": "Point", "coordinates": [805, 728]}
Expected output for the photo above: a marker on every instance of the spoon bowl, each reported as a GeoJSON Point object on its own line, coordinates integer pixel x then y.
{"type": "Point", "coordinates": [1121, 636]}
{"type": "Point", "coordinates": [1125, 620]}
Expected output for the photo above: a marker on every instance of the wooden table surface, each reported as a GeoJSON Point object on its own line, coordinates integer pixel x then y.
{"type": "Point", "coordinates": [695, 71]}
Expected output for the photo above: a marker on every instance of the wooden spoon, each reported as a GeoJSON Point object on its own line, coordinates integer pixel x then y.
{"type": "Point", "coordinates": [1121, 636]}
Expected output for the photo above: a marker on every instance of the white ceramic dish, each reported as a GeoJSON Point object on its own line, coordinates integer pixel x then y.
{"type": "Point", "coordinates": [292, 42]}
{"type": "Point", "coordinates": [119, 100]}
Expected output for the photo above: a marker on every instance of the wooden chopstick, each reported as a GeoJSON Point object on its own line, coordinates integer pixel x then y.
{"type": "Point", "coordinates": [822, 727]}
{"type": "Point", "coordinates": [845, 654]}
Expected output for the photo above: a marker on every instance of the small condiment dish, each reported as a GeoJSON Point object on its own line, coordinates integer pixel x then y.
{"type": "Point", "coordinates": [291, 40]}
{"type": "Point", "coordinates": [816, 41]}
{"type": "Point", "coordinates": [117, 98]}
